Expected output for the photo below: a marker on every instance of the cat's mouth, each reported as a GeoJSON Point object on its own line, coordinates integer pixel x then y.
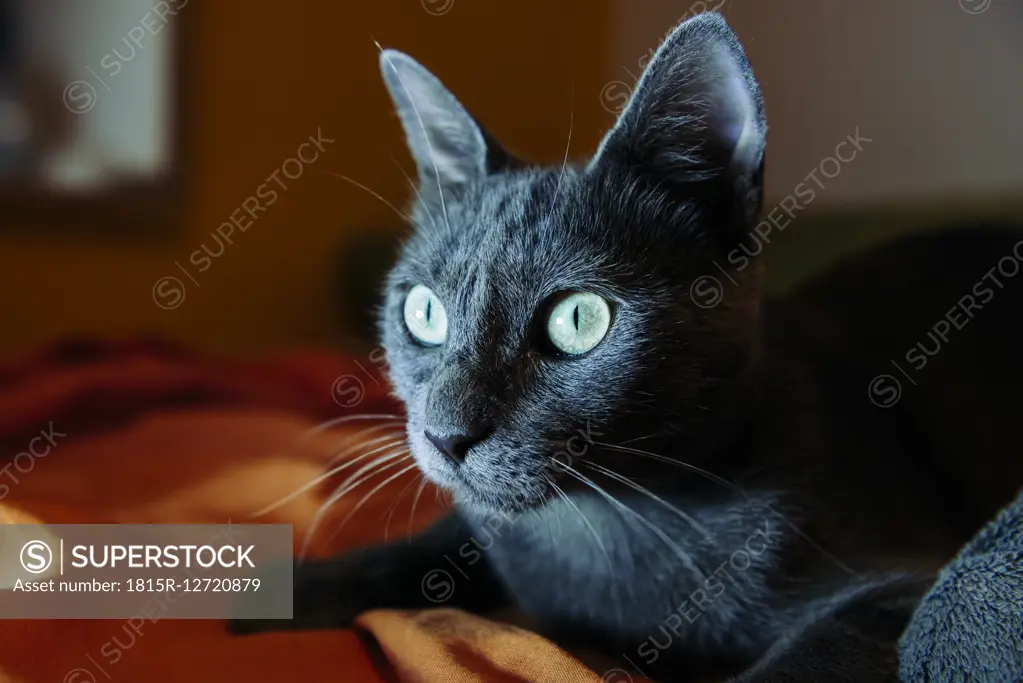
{"type": "Point", "coordinates": [475, 484]}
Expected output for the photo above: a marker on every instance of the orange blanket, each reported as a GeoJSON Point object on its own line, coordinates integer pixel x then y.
{"type": "Point", "coordinates": [151, 434]}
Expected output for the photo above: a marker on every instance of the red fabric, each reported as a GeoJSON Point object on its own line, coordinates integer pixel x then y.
{"type": "Point", "coordinates": [153, 433]}
{"type": "Point", "coordinates": [90, 385]}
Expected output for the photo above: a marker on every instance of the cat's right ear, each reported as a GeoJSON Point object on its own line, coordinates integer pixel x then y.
{"type": "Point", "coordinates": [449, 147]}
{"type": "Point", "coordinates": [696, 114]}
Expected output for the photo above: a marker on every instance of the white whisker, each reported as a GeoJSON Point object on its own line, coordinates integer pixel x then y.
{"type": "Point", "coordinates": [678, 463]}
{"type": "Point", "coordinates": [387, 421]}
{"type": "Point", "coordinates": [398, 437]}
{"type": "Point", "coordinates": [682, 555]}
{"type": "Point", "coordinates": [415, 188]}
{"type": "Point", "coordinates": [415, 502]}
{"type": "Point", "coordinates": [370, 495]}
{"type": "Point", "coordinates": [564, 165]}
{"type": "Point", "coordinates": [381, 464]}
{"type": "Point", "coordinates": [646, 492]}
{"type": "Point", "coordinates": [731, 485]}
{"type": "Point", "coordinates": [589, 526]}
{"type": "Point", "coordinates": [600, 544]}
{"type": "Point", "coordinates": [323, 426]}
{"type": "Point", "coordinates": [550, 531]}
{"type": "Point", "coordinates": [395, 505]}
{"type": "Point", "coordinates": [405, 218]}
{"type": "Point", "coordinates": [327, 475]}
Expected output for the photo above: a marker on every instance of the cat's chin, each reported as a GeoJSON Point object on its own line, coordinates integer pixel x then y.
{"type": "Point", "coordinates": [483, 511]}
{"type": "Point", "coordinates": [489, 505]}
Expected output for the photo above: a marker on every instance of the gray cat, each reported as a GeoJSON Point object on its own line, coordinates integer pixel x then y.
{"type": "Point", "coordinates": [676, 486]}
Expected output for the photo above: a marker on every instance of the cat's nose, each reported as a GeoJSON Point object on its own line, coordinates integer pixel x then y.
{"type": "Point", "coordinates": [456, 447]}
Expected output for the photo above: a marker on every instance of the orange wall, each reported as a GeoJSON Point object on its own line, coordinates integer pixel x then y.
{"type": "Point", "coordinates": [269, 75]}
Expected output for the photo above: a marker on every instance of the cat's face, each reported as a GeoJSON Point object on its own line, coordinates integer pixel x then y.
{"type": "Point", "coordinates": [543, 314]}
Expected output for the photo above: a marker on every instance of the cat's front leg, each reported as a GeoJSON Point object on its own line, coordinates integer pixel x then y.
{"type": "Point", "coordinates": [404, 574]}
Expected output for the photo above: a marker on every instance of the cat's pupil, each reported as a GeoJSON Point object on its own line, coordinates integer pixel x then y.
{"type": "Point", "coordinates": [575, 317]}
{"type": "Point", "coordinates": [429, 309]}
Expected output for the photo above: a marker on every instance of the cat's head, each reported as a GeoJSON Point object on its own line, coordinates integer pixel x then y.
{"type": "Point", "coordinates": [542, 313]}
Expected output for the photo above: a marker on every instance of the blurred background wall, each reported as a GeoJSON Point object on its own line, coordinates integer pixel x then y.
{"type": "Point", "coordinates": [267, 75]}
{"type": "Point", "coordinates": [934, 84]}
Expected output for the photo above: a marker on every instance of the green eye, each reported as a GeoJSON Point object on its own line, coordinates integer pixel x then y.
{"type": "Point", "coordinates": [578, 322]}
{"type": "Point", "coordinates": [425, 317]}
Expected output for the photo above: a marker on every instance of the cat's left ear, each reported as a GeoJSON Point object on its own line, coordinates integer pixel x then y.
{"type": "Point", "coordinates": [447, 144]}
{"type": "Point", "coordinates": [696, 112]}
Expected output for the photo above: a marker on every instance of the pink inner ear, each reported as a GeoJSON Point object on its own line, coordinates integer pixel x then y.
{"type": "Point", "coordinates": [695, 107]}
{"type": "Point", "coordinates": [735, 118]}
